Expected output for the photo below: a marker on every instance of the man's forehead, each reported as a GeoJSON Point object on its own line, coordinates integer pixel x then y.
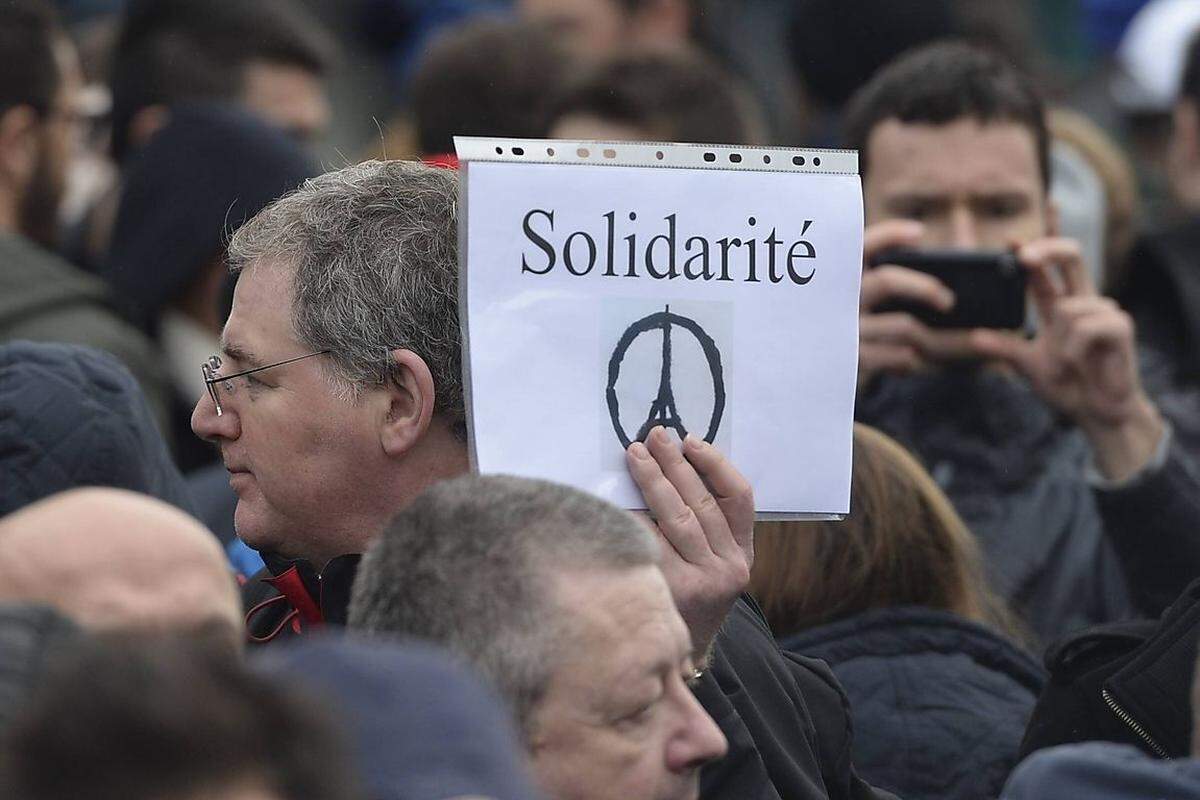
{"type": "Point", "coordinates": [260, 321]}
{"type": "Point", "coordinates": [1001, 152]}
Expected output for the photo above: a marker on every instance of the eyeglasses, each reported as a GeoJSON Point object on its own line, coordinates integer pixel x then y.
{"type": "Point", "coordinates": [209, 370]}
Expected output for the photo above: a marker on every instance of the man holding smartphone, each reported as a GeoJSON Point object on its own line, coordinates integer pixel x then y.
{"type": "Point", "coordinates": [1045, 442]}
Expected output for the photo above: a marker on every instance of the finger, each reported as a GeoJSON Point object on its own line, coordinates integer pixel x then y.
{"type": "Point", "coordinates": [895, 327]}
{"type": "Point", "coordinates": [900, 358]}
{"type": "Point", "coordinates": [676, 521]}
{"type": "Point", "coordinates": [730, 488]}
{"type": "Point", "coordinates": [1108, 330]}
{"type": "Point", "coordinates": [890, 282]}
{"type": "Point", "coordinates": [1045, 293]}
{"type": "Point", "coordinates": [691, 488]}
{"type": "Point", "coordinates": [949, 345]}
{"type": "Point", "coordinates": [1066, 257]}
{"type": "Point", "coordinates": [890, 234]}
{"type": "Point", "coordinates": [1010, 348]}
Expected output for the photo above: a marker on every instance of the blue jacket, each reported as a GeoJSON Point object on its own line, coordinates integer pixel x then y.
{"type": "Point", "coordinates": [1102, 771]}
{"type": "Point", "coordinates": [939, 703]}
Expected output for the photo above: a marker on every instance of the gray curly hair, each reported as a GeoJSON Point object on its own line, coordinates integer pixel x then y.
{"type": "Point", "coordinates": [374, 247]}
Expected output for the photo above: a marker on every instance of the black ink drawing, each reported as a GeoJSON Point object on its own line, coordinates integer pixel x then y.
{"type": "Point", "coordinates": [662, 408]}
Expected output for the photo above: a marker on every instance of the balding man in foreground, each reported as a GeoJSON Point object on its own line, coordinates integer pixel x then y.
{"type": "Point", "coordinates": [110, 559]}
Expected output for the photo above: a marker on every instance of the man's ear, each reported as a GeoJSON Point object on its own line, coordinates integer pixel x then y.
{"type": "Point", "coordinates": [410, 403]}
{"type": "Point", "coordinates": [18, 145]}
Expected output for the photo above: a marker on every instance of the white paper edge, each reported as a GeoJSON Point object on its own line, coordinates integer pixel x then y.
{"type": "Point", "coordinates": [489, 144]}
{"type": "Point", "coordinates": [661, 155]}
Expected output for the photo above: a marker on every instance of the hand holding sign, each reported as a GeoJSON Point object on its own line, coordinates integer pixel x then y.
{"type": "Point", "coordinates": [707, 535]}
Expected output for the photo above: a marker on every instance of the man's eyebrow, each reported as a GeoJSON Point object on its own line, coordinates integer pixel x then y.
{"type": "Point", "coordinates": [240, 354]}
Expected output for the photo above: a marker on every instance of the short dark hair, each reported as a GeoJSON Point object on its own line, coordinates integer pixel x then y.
{"type": "Point", "coordinates": [129, 718]}
{"type": "Point", "coordinates": [489, 77]}
{"type": "Point", "coordinates": [175, 50]}
{"type": "Point", "coordinates": [679, 96]}
{"type": "Point", "coordinates": [942, 83]}
{"type": "Point", "coordinates": [470, 565]}
{"type": "Point", "coordinates": [30, 73]}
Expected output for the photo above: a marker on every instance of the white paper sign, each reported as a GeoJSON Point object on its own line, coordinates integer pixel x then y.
{"type": "Point", "coordinates": [599, 299]}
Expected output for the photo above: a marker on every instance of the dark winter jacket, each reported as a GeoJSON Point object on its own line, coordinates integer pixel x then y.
{"type": "Point", "coordinates": [421, 727]}
{"type": "Point", "coordinates": [45, 299]}
{"type": "Point", "coordinates": [939, 703]}
{"type": "Point", "coordinates": [71, 417]}
{"type": "Point", "coordinates": [1017, 475]}
{"type": "Point", "coordinates": [785, 717]}
{"type": "Point", "coordinates": [1102, 771]}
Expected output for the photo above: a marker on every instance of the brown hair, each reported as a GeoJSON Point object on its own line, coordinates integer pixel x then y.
{"type": "Point", "coordinates": [901, 544]}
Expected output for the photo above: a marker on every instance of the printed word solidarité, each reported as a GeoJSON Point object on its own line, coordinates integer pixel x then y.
{"type": "Point", "coordinates": [701, 259]}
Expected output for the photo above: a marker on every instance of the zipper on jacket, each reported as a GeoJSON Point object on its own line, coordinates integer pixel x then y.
{"type": "Point", "coordinates": [1133, 725]}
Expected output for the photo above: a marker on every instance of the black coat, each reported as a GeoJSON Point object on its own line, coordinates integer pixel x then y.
{"type": "Point", "coordinates": [939, 703]}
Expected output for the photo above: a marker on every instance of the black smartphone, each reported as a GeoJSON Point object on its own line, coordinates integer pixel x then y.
{"type": "Point", "coordinates": [988, 286]}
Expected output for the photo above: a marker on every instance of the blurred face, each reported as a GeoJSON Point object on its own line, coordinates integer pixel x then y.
{"type": "Point", "coordinates": [974, 186]}
{"type": "Point", "coordinates": [618, 720]}
{"type": "Point", "coordinates": [57, 145]}
{"type": "Point", "coordinates": [288, 96]}
{"type": "Point", "coordinates": [589, 27]}
{"type": "Point", "coordinates": [307, 466]}
{"type": "Point", "coordinates": [590, 126]}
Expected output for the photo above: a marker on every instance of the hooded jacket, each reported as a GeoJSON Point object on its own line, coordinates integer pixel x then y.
{"type": "Point", "coordinates": [43, 298]}
{"type": "Point", "coordinates": [940, 703]}
{"type": "Point", "coordinates": [71, 417]}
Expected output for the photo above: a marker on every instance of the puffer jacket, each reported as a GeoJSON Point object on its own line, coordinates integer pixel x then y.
{"type": "Point", "coordinates": [939, 703]}
{"type": "Point", "coordinates": [73, 416]}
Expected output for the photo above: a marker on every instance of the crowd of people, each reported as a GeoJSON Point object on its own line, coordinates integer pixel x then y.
{"type": "Point", "coordinates": [243, 555]}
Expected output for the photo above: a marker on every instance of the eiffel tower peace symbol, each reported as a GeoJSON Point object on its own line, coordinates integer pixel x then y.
{"type": "Point", "coordinates": [662, 409]}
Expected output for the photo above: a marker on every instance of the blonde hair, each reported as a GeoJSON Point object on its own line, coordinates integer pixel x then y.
{"type": "Point", "coordinates": [902, 544]}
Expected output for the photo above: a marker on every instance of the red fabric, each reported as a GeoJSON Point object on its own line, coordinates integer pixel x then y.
{"type": "Point", "coordinates": [291, 586]}
{"type": "Point", "coordinates": [446, 160]}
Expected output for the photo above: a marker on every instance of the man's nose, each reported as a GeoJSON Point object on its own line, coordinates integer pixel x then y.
{"type": "Point", "coordinates": [699, 739]}
{"type": "Point", "coordinates": [964, 232]}
{"type": "Point", "coordinates": [210, 426]}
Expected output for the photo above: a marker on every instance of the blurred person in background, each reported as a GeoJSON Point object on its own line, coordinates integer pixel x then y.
{"type": "Point", "coordinates": [489, 77]}
{"type": "Point", "coordinates": [1162, 287]}
{"type": "Point", "coordinates": [503, 571]}
{"type": "Point", "coordinates": [597, 28]}
{"type": "Point", "coordinates": [269, 57]}
{"type": "Point", "coordinates": [128, 718]}
{"type": "Point", "coordinates": [110, 559]}
{"type": "Point", "coordinates": [955, 155]}
{"type": "Point", "coordinates": [211, 168]}
{"type": "Point", "coordinates": [894, 598]}
{"type": "Point", "coordinates": [41, 296]}
{"type": "Point", "coordinates": [682, 96]}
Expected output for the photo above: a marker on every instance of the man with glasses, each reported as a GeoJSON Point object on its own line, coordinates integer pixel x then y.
{"type": "Point", "coordinates": [337, 399]}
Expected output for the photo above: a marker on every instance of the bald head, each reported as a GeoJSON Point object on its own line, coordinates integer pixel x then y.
{"type": "Point", "coordinates": [112, 559]}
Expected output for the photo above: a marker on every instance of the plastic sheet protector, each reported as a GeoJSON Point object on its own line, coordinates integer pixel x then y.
{"type": "Point", "coordinates": [607, 288]}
